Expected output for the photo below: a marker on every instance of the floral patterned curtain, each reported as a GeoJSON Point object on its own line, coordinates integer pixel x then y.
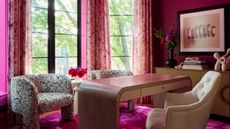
{"type": "Point", "coordinates": [142, 40]}
{"type": "Point", "coordinates": [142, 37]}
{"type": "Point", "coordinates": [98, 42]}
{"type": "Point", "coordinates": [20, 47]}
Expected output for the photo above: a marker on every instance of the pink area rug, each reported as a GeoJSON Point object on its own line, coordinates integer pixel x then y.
{"type": "Point", "coordinates": [128, 120]}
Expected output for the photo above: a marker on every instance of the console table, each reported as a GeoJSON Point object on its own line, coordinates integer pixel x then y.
{"type": "Point", "coordinates": [98, 100]}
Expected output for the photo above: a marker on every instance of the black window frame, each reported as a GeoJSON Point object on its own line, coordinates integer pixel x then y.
{"type": "Point", "coordinates": [51, 35]}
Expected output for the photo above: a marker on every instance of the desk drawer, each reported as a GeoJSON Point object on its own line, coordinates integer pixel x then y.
{"type": "Point", "coordinates": [128, 95]}
{"type": "Point", "coordinates": [164, 88]}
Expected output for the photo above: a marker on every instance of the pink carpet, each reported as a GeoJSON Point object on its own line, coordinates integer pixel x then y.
{"type": "Point", "coordinates": [129, 120]}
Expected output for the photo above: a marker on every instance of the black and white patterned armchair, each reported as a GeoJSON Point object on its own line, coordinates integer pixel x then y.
{"type": "Point", "coordinates": [99, 74]}
{"type": "Point", "coordinates": [32, 95]}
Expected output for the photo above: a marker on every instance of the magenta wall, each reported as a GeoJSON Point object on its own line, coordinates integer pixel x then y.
{"type": "Point", "coordinates": [165, 15]}
{"type": "Point", "coordinates": [83, 32]}
{"type": "Point", "coordinates": [3, 42]}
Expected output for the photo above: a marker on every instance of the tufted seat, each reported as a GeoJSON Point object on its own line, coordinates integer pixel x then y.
{"type": "Point", "coordinates": [188, 110]}
{"type": "Point", "coordinates": [32, 95]}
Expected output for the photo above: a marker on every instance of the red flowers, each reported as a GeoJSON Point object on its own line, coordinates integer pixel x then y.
{"type": "Point", "coordinates": [169, 39]}
{"type": "Point", "coordinates": [77, 72]}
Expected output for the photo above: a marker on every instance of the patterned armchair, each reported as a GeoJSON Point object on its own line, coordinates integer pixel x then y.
{"type": "Point", "coordinates": [98, 74]}
{"type": "Point", "coordinates": [32, 95]}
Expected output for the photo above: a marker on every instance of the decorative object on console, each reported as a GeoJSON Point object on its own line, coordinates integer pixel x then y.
{"type": "Point", "coordinates": [170, 40]}
{"type": "Point", "coordinates": [222, 63]}
{"type": "Point", "coordinates": [77, 73]}
{"type": "Point", "coordinates": [193, 63]}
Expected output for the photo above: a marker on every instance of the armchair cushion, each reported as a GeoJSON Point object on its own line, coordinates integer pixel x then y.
{"type": "Point", "coordinates": [52, 101]}
{"type": "Point", "coordinates": [51, 83]}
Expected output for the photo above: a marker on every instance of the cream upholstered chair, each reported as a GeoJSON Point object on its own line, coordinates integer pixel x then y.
{"type": "Point", "coordinates": [188, 110]}
{"type": "Point", "coordinates": [32, 95]}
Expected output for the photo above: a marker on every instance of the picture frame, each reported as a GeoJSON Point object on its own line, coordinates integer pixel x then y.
{"type": "Point", "coordinates": [203, 31]}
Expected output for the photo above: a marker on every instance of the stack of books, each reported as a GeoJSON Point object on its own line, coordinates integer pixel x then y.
{"type": "Point", "coordinates": [195, 64]}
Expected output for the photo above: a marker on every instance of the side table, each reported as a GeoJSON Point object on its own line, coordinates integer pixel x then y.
{"type": "Point", "coordinates": [75, 84]}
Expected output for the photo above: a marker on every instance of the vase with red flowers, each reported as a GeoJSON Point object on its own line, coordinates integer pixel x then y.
{"type": "Point", "coordinates": [168, 39]}
{"type": "Point", "coordinates": [77, 73]}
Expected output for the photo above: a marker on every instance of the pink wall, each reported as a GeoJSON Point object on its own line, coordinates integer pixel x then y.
{"type": "Point", "coordinates": [3, 42]}
{"type": "Point", "coordinates": [83, 31]}
{"type": "Point", "coordinates": [165, 13]}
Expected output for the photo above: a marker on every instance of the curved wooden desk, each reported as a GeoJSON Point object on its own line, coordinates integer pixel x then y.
{"type": "Point", "coordinates": [99, 99]}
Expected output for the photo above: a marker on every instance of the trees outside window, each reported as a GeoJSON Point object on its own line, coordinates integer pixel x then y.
{"type": "Point", "coordinates": [121, 24]}
{"type": "Point", "coordinates": [55, 35]}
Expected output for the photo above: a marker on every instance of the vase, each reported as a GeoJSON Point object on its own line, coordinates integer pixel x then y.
{"type": "Point", "coordinates": [171, 62]}
{"type": "Point", "coordinates": [77, 79]}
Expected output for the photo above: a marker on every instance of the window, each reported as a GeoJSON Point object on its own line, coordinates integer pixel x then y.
{"type": "Point", "coordinates": [121, 20]}
{"type": "Point", "coordinates": [55, 38]}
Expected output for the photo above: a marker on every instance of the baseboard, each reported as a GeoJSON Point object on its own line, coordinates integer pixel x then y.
{"type": "Point", "coordinates": [3, 116]}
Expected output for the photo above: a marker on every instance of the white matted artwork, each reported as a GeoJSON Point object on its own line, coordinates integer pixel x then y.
{"type": "Point", "coordinates": [202, 30]}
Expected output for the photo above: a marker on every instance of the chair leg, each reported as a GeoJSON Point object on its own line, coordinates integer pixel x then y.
{"type": "Point", "coordinates": [67, 112]}
{"type": "Point", "coordinates": [31, 121]}
{"type": "Point", "coordinates": [19, 119]}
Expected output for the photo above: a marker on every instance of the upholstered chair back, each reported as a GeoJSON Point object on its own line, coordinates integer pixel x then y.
{"type": "Point", "coordinates": [206, 88]}
{"type": "Point", "coordinates": [50, 82]}
{"type": "Point", "coordinates": [98, 74]}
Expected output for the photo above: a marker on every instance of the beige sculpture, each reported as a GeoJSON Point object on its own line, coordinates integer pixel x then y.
{"type": "Point", "coordinates": [222, 63]}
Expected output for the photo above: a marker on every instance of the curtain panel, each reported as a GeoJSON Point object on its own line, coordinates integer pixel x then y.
{"type": "Point", "coordinates": [98, 37]}
{"type": "Point", "coordinates": [142, 37]}
{"type": "Point", "coordinates": [19, 47]}
{"type": "Point", "coordinates": [142, 41]}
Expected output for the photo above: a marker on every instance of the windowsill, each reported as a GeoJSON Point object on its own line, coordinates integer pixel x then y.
{"type": "Point", "coordinates": [3, 98]}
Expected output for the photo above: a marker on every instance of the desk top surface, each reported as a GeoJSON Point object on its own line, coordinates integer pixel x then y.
{"type": "Point", "coordinates": [135, 81]}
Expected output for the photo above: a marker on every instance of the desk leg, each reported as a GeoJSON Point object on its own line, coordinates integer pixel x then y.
{"type": "Point", "coordinates": [97, 109]}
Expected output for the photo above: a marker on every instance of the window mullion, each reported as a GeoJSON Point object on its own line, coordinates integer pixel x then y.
{"type": "Point", "coordinates": [51, 37]}
{"type": "Point", "coordinates": [79, 33]}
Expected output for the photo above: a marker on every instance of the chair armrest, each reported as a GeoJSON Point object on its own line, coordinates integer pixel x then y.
{"type": "Point", "coordinates": [193, 115]}
{"type": "Point", "coordinates": [56, 83]}
{"type": "Point", "coordinates": [173, 99]}
{"type": "Point", "coordinates": [23, 95]}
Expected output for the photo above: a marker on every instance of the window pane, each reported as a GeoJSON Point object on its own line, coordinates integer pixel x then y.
{"type": "Point", "coordinates": [66, 5]}
{"type": "Point", "coordinates": [40, 65]}
{"type": "Point", "coordinates": [39, 20]}
{"type": "Point", "coordinates": [39, 45]}
{"type": "Point", "coordinates": [120, 25]}
{"type": "Point", "coordinates": [65, 22]}
{"type": "Point", "coordinates": [121, 46]}
{"type": "Point", "coordinates": [122, 63]}
{"type": "Point", "coordinates": [40, 3]}
{"type": "Point", "coordinates": [120, 7]}
{"type": "Point", "coordinates": [66, 45]}
{"type": "Point", "coordinates": [63, 64]}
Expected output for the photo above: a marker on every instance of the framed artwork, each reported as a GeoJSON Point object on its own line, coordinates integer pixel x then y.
{"type": "Point", "coordinates": [202, 31]}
